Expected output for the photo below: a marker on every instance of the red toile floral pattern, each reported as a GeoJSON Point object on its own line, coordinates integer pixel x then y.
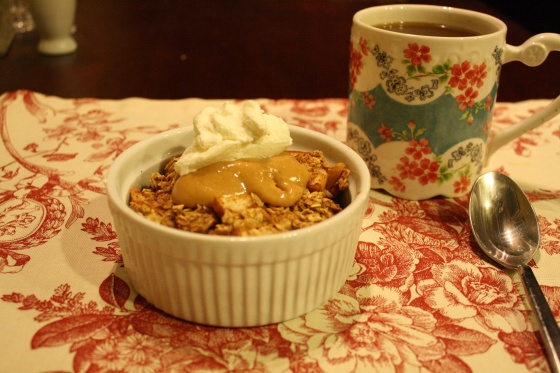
{"type": "Point", "coordinates": [421, 296]}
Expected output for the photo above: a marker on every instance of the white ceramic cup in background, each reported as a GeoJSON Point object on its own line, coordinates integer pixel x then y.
{"type": "Point", "coordinates": [54, 20]}
{"type": "Point", "coordinates": [420, 107]}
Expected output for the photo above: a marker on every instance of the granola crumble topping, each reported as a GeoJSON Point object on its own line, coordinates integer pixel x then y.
{"type": "Point", "coordinates": [245, 215]}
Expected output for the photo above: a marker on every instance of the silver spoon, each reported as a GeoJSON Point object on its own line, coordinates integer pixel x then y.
{"type": "Point", "coordinates": [506, 229]}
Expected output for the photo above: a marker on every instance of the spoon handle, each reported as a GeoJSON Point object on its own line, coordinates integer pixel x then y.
{"type": "Point", "coordinates": [550, 333]}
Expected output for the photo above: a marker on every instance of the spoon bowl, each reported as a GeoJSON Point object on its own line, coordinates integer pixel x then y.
{"type": "Point", "coordinates": [503, 220]}
{"type": "Point", "coordinates": [506, 228]}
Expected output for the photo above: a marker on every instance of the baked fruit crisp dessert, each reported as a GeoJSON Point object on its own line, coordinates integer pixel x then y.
{"type": "Point", "coordinates": [239, 179]}
{"type": "Point", "coordinates": [245, 214]}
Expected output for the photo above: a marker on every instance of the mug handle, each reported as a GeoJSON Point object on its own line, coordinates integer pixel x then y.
{"type": "Point", "coordinates": [532, 53]}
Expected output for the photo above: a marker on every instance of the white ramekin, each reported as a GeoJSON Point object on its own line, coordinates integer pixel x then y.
{"type": "Point", "coordinates": [234, 281]}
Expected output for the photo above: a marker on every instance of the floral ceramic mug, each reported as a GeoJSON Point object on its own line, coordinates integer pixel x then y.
{"type": "Point", "coordinates": [420, 106]}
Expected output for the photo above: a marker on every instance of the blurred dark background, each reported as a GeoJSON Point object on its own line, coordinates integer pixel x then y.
{"type": "Point", "coordinates": [170, 49]}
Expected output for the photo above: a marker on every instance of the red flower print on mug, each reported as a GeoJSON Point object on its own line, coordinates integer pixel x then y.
{"type": "Point", "coordinates": [407, 168]}
{"type": "Point", "coordinates": [357, 61]}
{"type": "Point", "coordinates": [462, 185]}
{"type": "Point", "coordinates": [459, 77]}
{"type": "Point", "coordinates": [385, 132]}
{"type": "Point", "coordinates": [488, 102]}
{"type": "Point", "coordinates": [397, 184]}
{"type": "Point", "coordinates": [467, 99]}
{"type": "Point", "coordinates": [363, 46]}
{"type": "Point", "coordinates": [369, 100]}
{"type": "Point", "coordinates": [427, 172]}
{"type": "Point", "coordinates": [418, 148]}
{"type": "Point", "coordinates": [477, 75]}
{"type": "Point", "coordinates": [417, 54]}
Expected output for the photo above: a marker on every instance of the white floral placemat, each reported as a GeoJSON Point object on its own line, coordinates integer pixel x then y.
{"type": "Point", "coordinates": [421, 297]}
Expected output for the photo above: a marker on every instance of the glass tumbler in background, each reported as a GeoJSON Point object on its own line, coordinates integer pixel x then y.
{"type": "Point", "coordinates": [22, 19]}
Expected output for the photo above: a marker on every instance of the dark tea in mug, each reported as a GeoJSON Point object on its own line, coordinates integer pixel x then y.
{"type": "Point", "coordinates": [427, 29]}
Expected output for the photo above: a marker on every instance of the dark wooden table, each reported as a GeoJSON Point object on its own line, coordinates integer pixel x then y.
{"type": "Point", "coordinates": [172, 49]}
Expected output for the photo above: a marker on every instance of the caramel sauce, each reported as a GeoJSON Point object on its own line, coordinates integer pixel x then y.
{"type": "Point", "coordinates": [278, 181]}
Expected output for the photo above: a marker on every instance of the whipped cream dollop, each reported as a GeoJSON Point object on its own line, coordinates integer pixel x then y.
{"type": "Point", "coordinates": [233, 132]}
